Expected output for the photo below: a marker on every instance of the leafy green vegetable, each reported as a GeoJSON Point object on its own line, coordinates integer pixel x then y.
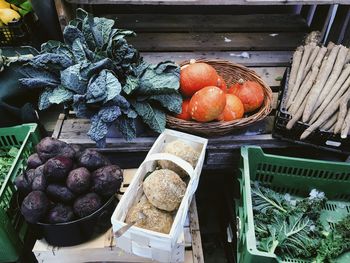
{"type": "Point", "coordinates": [266, 201]}
{"type": "Point", "coordinates": [336, 242]}
{"type": "Point", "coordinates": [290, 235]}
{"type": "Point", "coordinates": [153, 117]}
{"type": "Point", "coordinates": [98, 74]}
{"type": "Point", "coordinates": [291, 228]}
{"type": "Point", "coordinates": [6, 159]}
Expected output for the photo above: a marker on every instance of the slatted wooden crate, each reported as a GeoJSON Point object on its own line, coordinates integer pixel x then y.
{"type": "Point", "coordinates": [102, 248]}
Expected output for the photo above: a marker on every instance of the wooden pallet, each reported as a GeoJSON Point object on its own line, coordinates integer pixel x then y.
{"type": "Point", "coordinates": [102, 248]}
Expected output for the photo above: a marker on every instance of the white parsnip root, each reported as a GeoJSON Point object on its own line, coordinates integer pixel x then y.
{"type": "Point", "coordinates": [294, 70]}
{"type": "Point", "coordinates": [343, 108]}
{"type": "Point", "coordinates": [338, 65]}
{"type": "Point", "coordinates": [300, 74]}
{"type": "Point", "coordinates": [325, 70]}
{"type": "Point", "coordinates": [330, 110]}
{"type": "Point", "coordinates": [319, 91]}
{"type": "Point", "coordinates": [330, 122]}
{"type": "Point", "coordinates": [341, 85]}
{"type": "Point", "coordinates": [304, 89]}
{"type": "Point", "coordinates": [346, 126]}
{"type": "Point", "coordinates": [311, 60]}
{"type": "Point", "coordinates": [296, 116]}
{"type": "Point", "coordinates": [320, 55]}
{"type": "Point", "coordinates": [347, 60]}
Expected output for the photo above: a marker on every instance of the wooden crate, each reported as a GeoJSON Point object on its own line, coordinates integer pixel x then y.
{"type": "Point", "coordinates": [103, 248]}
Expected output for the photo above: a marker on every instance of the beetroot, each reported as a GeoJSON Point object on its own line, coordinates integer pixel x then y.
{"type": "Point", "coordinates": [57, 168]}
{"type": "Point", "coordinates": [34, 161]}
{"type": "Point", "coordinates": [87, 204]}
{"type": "Point", "coordinates": [106, 181]}
{"type": "Point", "coordinates": [59, 193]}
{"type": "Point", "coordinates": [34, 206]}
{"type": "Point", "coordinates": [78, 180]}
{"type": "Point", "coordinates": [60, 213]}
{"type": "Point", "coordinates": [39, 183]}
{"type": "Point", "coordinates": [30, 175]}
{"type": "Point", "coordinates": [22, 184]}
{"type": "Point", "coordinates": [92, 160]}
{"type": "Point", "coordinates": [39, 170]}
{"type": "Point", "coordinates": [49, 147]}
{"type": "Point", "coordinates": [78, 151]}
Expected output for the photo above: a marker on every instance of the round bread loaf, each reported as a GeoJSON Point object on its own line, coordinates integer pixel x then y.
{"type": "Point", "coordinates": [164, 189]}
{"type": "Point", "coordinates": [181, 150]}
{"type": "Point", "coordinates": [155, 220]}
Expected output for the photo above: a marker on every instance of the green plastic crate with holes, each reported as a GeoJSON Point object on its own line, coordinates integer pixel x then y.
{"type": "Point", "coordinates": [297, 177]}
{"type": "Point", "coordinates": [12, 225]}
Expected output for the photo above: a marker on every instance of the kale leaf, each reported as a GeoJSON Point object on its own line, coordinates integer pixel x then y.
{"type": "Point", "coordinates": [336, 242]}
{"type": "Point", "coordinates": [267, 201]}
{"type": "Point", "coordinates": [292, 228]}
{"type": "Point", "coordinates": [153, 117]}
{"type": "Point", "coordinates": [98, 74]}
{"type": "Point", "coordinates": [7, 157]}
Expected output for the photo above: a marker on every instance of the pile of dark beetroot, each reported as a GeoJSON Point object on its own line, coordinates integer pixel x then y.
{"type": "Point", "coordinates": [63, 183]}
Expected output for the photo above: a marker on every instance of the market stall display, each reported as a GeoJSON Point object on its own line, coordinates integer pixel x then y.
{"type": "Point", "coordinates": [16, 145]}
{"type": "Point", "coordinates": [289, 209]}
{"type": "Point", "coordinates": [314, 104]}
{"type": "Point", "coordinates": [155, 191]}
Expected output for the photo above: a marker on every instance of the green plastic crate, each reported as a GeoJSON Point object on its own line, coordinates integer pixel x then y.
{"type": "Point", "coordinates": [12, 225]}
{"type": "Point", "coordinates": [297, 177]}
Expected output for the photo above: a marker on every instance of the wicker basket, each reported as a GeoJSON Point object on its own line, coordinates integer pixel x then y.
{"type": "Point", "coordinates": [231, 73]}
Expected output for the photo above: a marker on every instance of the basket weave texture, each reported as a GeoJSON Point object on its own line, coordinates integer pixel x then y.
{"type": "Point", "coordinates": [231, 73]}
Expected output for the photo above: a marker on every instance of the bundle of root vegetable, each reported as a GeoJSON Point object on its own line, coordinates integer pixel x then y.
{"type": "Point", "coordinates": [318, 90]}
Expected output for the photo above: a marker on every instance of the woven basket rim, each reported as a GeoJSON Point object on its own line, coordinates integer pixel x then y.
{"type": "Point", "coordinates": [221, 127]}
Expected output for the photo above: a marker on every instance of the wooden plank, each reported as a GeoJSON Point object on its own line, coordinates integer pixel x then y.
{"type": "Point", "coordinates": [58, 126]}
{"type": "Point", "coordinates": [64, 13]}
{"type": "Point", "coordinates": [272, 75]}
{"type": "Point", "coordinates": [76, 129]}
{"type": "Point", "coordinates": [209, 2]}
{"type": "Point", "coordinates": [216, 41]}
{"type": "Point", "coordinates": [210, 23]}
{"type": "Point", "coordinates": [197, 250]}
{"type": "Point", "coordinates": [258, 133]}
{"type": "Point", "coordinates": [250, 58]}
{"type": "Point", "coordinates": [93, 251]}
